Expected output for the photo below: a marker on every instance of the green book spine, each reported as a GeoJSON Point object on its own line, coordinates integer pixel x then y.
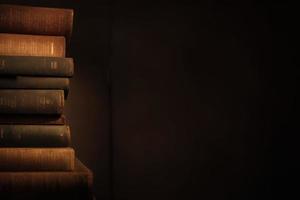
{"type": "Point", "coordinates": [36, 66]}
{"type": "Point", "coordinates": [31, 101]}
{"type": "Point", "coordinates": [34, 136]}
{"type": "Point", "coordinates": [25, 82]}
{"type": "Point", "coordinates": [40, 119]}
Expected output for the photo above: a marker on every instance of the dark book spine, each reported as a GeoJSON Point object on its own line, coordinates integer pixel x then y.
{"type": "Point", "coordinates": [36, 66]}
{"type": "Point", "coordinates": [37, 159]}
{"type": "Point", "coordinates": [25, 82]}
{"type": "Point", "coordinates": [36, 20]}
{"type": "Point", "coordinates": [34, 136]}
{"type": "Point", "coordinates": [8, 119]}
{"type": "Point", "coordinates": [31, 101]}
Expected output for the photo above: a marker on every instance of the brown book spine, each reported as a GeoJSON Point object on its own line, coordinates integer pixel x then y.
{"type": "Point", "coordinates": [32, 45]}
{"type": "Point", "coordinates": [36, 20]}
{"type": "Point", "coordinates": [34, 135]}
{"type": "Point", "coordinates": [75, 185]}
{"type": "Point", "coordinates": [37, 159]}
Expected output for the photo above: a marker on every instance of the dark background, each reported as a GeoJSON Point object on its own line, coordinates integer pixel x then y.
{"type": "Point", "coordinates": [183, 100]}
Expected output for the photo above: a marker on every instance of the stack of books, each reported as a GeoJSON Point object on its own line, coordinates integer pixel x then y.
{"type": "Point", "coordinates": [36, 160]}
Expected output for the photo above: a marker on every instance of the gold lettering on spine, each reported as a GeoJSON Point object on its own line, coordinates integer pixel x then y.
{"type": "Point", "coordinates": [53, 65]}
{"type": "Point", "coordinates": [52, 48]}
{"type": "Point", "coordinates": [48, 102]}
{"type": "Point", "coordinates": [42, 101]}
{"type": "Point", "coordinates": [8, 102]}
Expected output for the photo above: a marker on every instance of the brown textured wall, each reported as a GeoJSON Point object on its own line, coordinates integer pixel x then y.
{"type": "Point", "coordinates": [203, 94]}
{"type": "Point", "coordinates": [187, 104]}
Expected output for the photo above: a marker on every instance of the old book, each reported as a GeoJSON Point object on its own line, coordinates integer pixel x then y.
{"type": "Point", "coordinates": [36, 20]}
{"type": "Point", "coordinates": [36, 66]}
{"type": "Point", "coordinates": [33, 119]}
{"type": "Point", "coordinates": [34, 136]}
{"type": "Point", "coordinates": [37, 159]}
{"type": "Point", "coordinates": [75, 185]}
{"type": "Point", "coordinates": [31, 101]}
{"type": "Point", "coordinates": [28, 82]}
{"type": "Point", "coordinates": [32, 45]}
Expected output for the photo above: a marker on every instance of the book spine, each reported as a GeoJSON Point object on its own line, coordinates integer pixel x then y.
{"type": "Point", "coordinates": [75, 185]}
{"type": "Point", "coordinates": [34, 136]}
{"type": "Point", "coordinates": [75, 194]}
{"type": "Point", "coordinates": [36, 66]}
{"type": "Point", "coordinates": [25, 82]}
{"type": "Point", "coordinates": [31, 101]}
{"type": "Point", "coordinates": [32, 45]}
{"type": "Point", "coordinates": [37, 159]}
{"type": "Point", "coordinates": [33, 119]}
{"type": "Point", "coordinates": [36, 20]}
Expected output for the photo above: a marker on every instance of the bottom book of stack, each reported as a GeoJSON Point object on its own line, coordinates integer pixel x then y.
{"type": "Point", "coordinates": [73, 185]}
{"type": "Point", "coordinates": [37, 161]}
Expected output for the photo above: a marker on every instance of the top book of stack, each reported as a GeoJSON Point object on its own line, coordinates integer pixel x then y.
{"type": "Point", "coordinates": [36, 20]}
